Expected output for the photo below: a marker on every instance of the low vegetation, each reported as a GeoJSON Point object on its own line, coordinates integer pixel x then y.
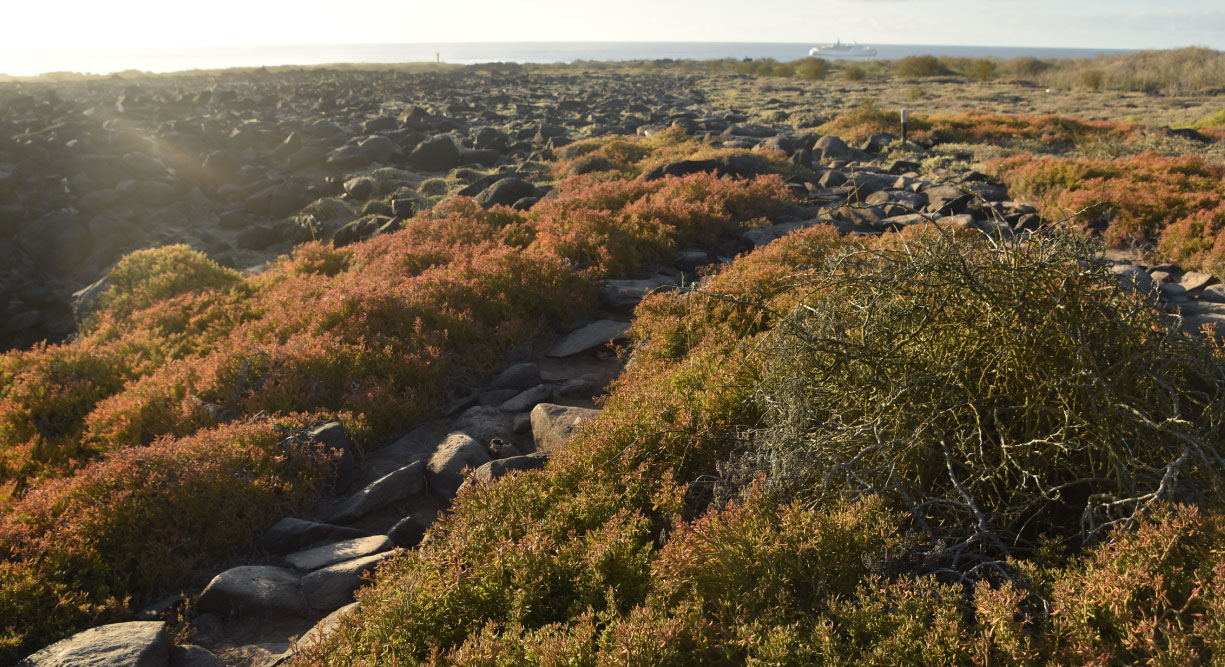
{"type": "Point", "coordinates": [712, 515]}
{"type": "Point", "coordinates": [928, 448]}
{"type": "Point", "coordinates": [184, 357]}
{"type": "Point", "coordinates": [1173, 204]}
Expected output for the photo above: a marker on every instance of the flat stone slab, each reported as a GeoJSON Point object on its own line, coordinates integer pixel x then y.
{"type": "Point", "coordinates": [390, 488]}
{"type": "Point", "coordinates": [527, 399]}
{"type": "Point", "coordinates": [594, 335]}
{"type": "Point", "coordinates": [253, 590]}
{"type": "Point", "coordinates": [329, 554]}
{"type": "Point", "coordinates": [552, 425]}
{"type": "Point", "coordinates": [1195, 280]}
{"type": "Point", "coordinates": [290, 534]}
{"type": "Point", "coordinates": [135, 644]}
{"type": "Point", "coordinates": [332, 587]}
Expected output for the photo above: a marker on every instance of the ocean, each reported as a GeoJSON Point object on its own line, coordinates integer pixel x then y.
{"type": "Point", "coordinates": [27, 62]}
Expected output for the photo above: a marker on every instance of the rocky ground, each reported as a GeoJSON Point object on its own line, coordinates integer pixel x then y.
{"type": "Point", "coordinates": [231, 164]}
{"type": "Point", "coordinates": [242, 166]}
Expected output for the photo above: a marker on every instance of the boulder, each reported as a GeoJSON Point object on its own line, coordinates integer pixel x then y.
{"type": "Point", "coordinates": [361, 187]}
{"type": "Point", "coordinates": [258, 237]}
{"type": "Point", "coordinates": [253, 590]}
{"type": "Point", "coordinates": [520, 376]}
{"type": "Point", "coordinates": [501, 467]}
{"type": "Point", "coordinates": [1133, 277]}
{"type": "Point", "coordinates": [552, 425]}
{"type": "Point", "coordinates": [526, 399]}
{"type": "Point", "coordinates": [489, 138]}
{"type": "Point", "coordinates": [377, 149]}
{"type": "Point", "coordinates": [391, 488]}
{"type": "Point", "coordinates": [946, 200]}
{"type": "Point", "coordinates": [409, 531]}
{"type": "Point", "coordinates": [380, 124]}
{"type": "Point", "coordinates": [594, 335]}
{"type": "Point", "coordinates": [455, 453]}
{"type": "Point", "coordinates": [329, 554]}
{"type": "Point", "coordinates": [1213, 294]}
{"type": "Point", "coordinates": [831, 148]}
{"type": "Point", "coordinates": [332, 587]}
{"type": "Point", "coordinates": [362, 228]}
{"type": "Point", "coordinates": [484, 423]}
{"type": "Point", "coordinates": [437, 154]}
{"type": "Point", "coordinates": [505, 192]}
{"type": "Point", "coordinates": [1195, 281]}
{"type": "Point", "coordinates": [134, 644]}
{"type": "Point", "coordinates": [290, 534]}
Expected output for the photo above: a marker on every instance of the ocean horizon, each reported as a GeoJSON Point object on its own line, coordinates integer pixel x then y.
{"type": "Point", "coordinates": [31, 62]}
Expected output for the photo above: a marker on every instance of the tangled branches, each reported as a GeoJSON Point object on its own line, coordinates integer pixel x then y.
{"type": "Point", "coordinates": [998, 392]}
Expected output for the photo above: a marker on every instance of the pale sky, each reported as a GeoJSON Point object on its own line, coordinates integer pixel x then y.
{"type": "Point", "coordinates": [1126, 24]}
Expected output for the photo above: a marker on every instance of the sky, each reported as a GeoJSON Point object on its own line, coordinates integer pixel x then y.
{"type": "Point", "coordinates": [1124, 24]}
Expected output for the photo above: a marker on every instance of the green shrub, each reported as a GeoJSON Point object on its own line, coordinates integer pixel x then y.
{"type": "Point", "coordinates": [1027, 66]}
{"type": "Point", "coordinates": [1091, 79]}
{"type": "Point", "coordinates": [984, 69]}
{"type": "Point", "coordinates": [989, 390]}
{"type": "Point", "coordinates": [146, 277]}
{"type": "Point", "coordinates": [812, 69]}
{"type": "Point", "coordinates": [921, 66]}
{"type": "Point", "coordinates": [1155, 595]}
{"type": "Point", "coordinates": [854, 73]}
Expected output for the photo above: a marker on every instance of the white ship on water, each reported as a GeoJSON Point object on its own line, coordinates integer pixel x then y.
{"type": "Point", "coordinates": [840, 50]}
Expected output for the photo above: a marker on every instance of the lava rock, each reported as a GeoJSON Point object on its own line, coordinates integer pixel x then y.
{"type": "Point", "coordinates": [253, 590]}
{"type": "Point", "coordinates": [594, 335]}
{"type": "Point", "coordinates": [552, 425]}
{"type": "Point", "coordinates": [391, 488]}
{"type": "Point", "coordinates": [291, 534]}
{"type": "Point", "coordinates": [438, 154]}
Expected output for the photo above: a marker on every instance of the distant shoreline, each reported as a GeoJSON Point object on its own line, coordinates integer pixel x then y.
{"type": "Point", "coordinates": [26, 63]}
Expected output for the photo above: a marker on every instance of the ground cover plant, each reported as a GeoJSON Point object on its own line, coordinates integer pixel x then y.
{"type": "Point", "coordinates": [1054, 133]}
{"type": "Point", "coordinates": [184, 356]}
{"type": "Point", "coordinates": [1173, 204]}
{"type": "Point", "coordinates": [709, 515]}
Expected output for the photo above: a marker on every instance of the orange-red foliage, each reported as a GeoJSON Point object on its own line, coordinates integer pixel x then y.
{"type": "Point", "coordinates": [977, 127]}
{"type": "Point", "coordinates": [1177, 202]}
{"type": "Point", "coordinates": [183, 354]}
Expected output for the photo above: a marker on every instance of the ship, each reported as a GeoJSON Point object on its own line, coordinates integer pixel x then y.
{"type": "Point", "coordinates": [840, 50]}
